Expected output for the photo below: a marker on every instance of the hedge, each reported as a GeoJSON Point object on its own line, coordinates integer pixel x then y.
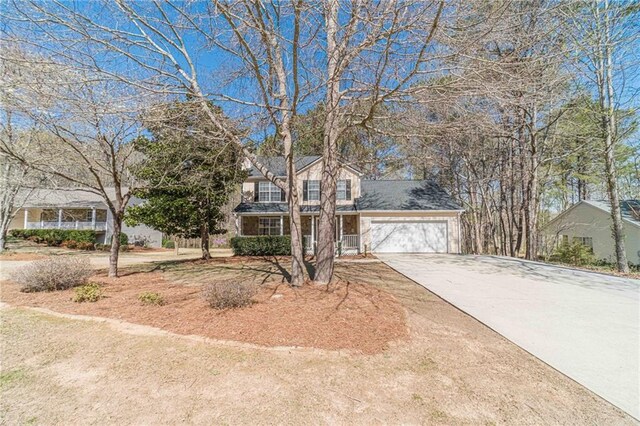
{"type": "Point", "coordinates": [55, 237]}
{"type": "Point", "coordinates": [264, 245]}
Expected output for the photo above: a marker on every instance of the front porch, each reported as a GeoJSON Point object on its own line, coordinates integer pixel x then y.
{"type": "Point", "coordinates": [64, 218]}
{"type": "Point", "coordinates": [346, 235]}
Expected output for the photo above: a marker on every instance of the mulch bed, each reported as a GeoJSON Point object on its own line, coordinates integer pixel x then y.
{"type": "Point", "coordinates": [344, 315]}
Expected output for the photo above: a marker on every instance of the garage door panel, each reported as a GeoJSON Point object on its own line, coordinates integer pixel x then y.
{"type": "Point", "coordinates": [409, 236]}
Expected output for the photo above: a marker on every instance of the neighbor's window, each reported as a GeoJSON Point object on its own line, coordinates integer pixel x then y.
{"type": "Point", "coordinates": [269, 226]}
{"type": "Point", "coordinates": [343, 190]}
{"type": "Point", "coordinates": [585, 241]}
{"type": "Point", "coordinates": [269, 192]}
{"type": "Point", "coordinates": [313, 190]}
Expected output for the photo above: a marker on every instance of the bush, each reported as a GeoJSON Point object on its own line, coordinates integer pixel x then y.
{"type": "Point", "coordinates": [228, 294]}
{"type": "Point", "coordinates": [574, 254]}
{"type": "Point", "coordinates": [85, 246]}
{"type": "Point", "coordinates": [124, 239]}
{"type": "Point", "coordinates": [169, 244]}
{"type": "Point", "coordinates": [264, 245]}
{"type": "Point", "coordinates": [91, 292]}
{"type": "Point", "coordinates": [55, 237]}
{"type": "Point", "coordinates": [151, 298]}
{"type": "Point", "coordinates": [54, 273]}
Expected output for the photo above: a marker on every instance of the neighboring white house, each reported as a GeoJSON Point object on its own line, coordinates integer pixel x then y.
{"type": "Point", "coordinates": [379, 216]}
{"type": "Point", "coordinates": [589, 222]}
{"type": "Point", "coordinates": [77, 209]}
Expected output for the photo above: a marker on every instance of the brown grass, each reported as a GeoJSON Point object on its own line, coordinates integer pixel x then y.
{"type": "Point", "coordinates": [452, 370]}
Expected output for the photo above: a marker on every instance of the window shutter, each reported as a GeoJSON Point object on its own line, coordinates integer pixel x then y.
{"type": "Point", "coordinates": [283, 196]}
{"type": "Point", "coordinates": [305, 190]}
{"type": "Point", "coordinates": [348, 191]}
{"type": "Point", "coordinates": [256, 193]}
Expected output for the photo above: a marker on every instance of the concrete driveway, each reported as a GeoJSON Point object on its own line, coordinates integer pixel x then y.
{"type": "Point", "coordinates": [586, 325]}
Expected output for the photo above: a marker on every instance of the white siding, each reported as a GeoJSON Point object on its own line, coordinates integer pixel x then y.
{"type": "Point", "coordinates": [585, 220]}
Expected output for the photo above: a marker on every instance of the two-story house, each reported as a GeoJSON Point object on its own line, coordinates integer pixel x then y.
{"type": "Point", "coordinates": [378, 216]}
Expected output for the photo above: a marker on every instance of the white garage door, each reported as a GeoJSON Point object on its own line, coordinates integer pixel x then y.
{"type": "Point", "coordinates": [408, 237]}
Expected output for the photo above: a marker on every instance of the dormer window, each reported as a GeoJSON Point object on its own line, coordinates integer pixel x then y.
{"type": "Point", "coordinates": [344, 190]}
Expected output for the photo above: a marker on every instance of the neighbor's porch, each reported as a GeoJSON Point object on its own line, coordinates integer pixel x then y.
{"type": "Point", "coordinates": [346, 232]}
{"type": "Point", "coordinates": [61, 218]}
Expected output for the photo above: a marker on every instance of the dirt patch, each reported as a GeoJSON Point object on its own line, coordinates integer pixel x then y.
{"type": "Point", "coordinates": [344, 315]}
{"type": "Point", "coordinates": [17, 256]}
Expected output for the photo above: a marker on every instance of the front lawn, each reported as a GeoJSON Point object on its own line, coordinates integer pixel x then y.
{"type": "Point", "coordinates": [447, 369]}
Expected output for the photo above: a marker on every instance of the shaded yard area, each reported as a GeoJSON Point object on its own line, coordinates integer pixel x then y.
{"type": "Point", "coordinates": [446, 369]}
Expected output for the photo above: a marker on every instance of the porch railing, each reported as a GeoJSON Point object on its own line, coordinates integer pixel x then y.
{"type": "Point", "coordinates": [82, 225]}
{"type": "Point", "coordinates": [350, 242]}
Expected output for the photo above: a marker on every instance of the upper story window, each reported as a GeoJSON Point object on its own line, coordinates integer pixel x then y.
{"type": "Point", "coordinates": [311, 190]}
{"type": "Point", "coordinates": [268, 192]}
{"type": "Point", "coordinates": [344, 190]}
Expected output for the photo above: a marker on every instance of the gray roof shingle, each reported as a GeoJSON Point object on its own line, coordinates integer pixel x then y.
{"type": "Point", "coordinates": [630, 209]}
{"type": "Point", "coordinates": [377, 195]}
{"type": "Point", "coordinates": [404, 195]}
{"type": "Point", "coordinates": [276, 165]}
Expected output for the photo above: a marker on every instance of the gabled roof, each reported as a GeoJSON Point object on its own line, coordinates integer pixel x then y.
{"type": "Point", "coordinates": [277, 165]}
{"type": "Point", "coordinates": [404, 195]}
{"type": "Point", "coordinates": [630, 209]}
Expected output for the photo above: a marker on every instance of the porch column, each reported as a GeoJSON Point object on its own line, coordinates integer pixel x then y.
{"type": "Point", "coordinates": [240, 225]}
{"type": "Point", "coordinates": [341, 231]}
{"type": "Point", "coordinates": [26, 218]}
{"type": "Point", "coordinates": [313, 235]}
{"type": "Point", "coordinates": [93, 218]}
{"type": "Point", "coordinates": [59, 218]}
{"type": "Point", "coordinates": [281, 225]}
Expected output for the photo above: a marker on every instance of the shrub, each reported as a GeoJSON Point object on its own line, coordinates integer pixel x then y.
{"type": "Point", "coordinates": [169, 244]}
{"type": "Point", "coordinates": [574, 254]}
{"type": "Point", "coordinates": [264, 245]}
{"type": "Point", "coordinates": [70, 244]}
{"type": "Point", "coordinates": [91, 292]}
{"type": "Point", "coordinates": [151, 298]}
{"type": "Point", "coordinates": [228, 294]}
{"type": "Point", "coordinates": [85, 246]}
{"type": "Point", "coordinates": [55, 237]}
{"type": "Point", "coordinates": [124, 239]}
{"type": "Point", "coordinates": [54, 273]}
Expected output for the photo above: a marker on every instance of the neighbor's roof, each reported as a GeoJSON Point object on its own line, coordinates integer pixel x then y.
{"type": "Point", "coordinates": [276, 165]}
{"type": "Point", "coordinates": [404, 195]}
{"type": "Point", "coordinates": [630, 209]}
{"type": "Point", "coordinates": [68, 198]}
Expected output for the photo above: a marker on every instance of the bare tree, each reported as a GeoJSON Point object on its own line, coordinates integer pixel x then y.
{"type": "Point", "coordinates": [605, 37]}
{"type": "Point", "coordinates": [374, 50]}
{"type": "Point", "coordinates": [84, 131]}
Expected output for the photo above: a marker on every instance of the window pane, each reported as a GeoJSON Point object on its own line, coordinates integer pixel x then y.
{"type": "Point", "coordinates": [313, 187]}
{"type": "Point", "coordinates": [342, 190]}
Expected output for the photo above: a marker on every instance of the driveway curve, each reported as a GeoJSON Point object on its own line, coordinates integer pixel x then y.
{"type": "Point", "coordinates": [586, 325]}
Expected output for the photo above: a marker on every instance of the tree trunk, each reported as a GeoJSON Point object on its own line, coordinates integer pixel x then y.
{"type": "Point", "coordinates": [606, 98]}
{"type": "Point", "coordinates": [295, 225]}
{"type": "Point", "coordinates": [327, 219]}
{"type": "Point", "coordinates": [115, 245]}
{"type": "Point", "coordinates": [204, 240]}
